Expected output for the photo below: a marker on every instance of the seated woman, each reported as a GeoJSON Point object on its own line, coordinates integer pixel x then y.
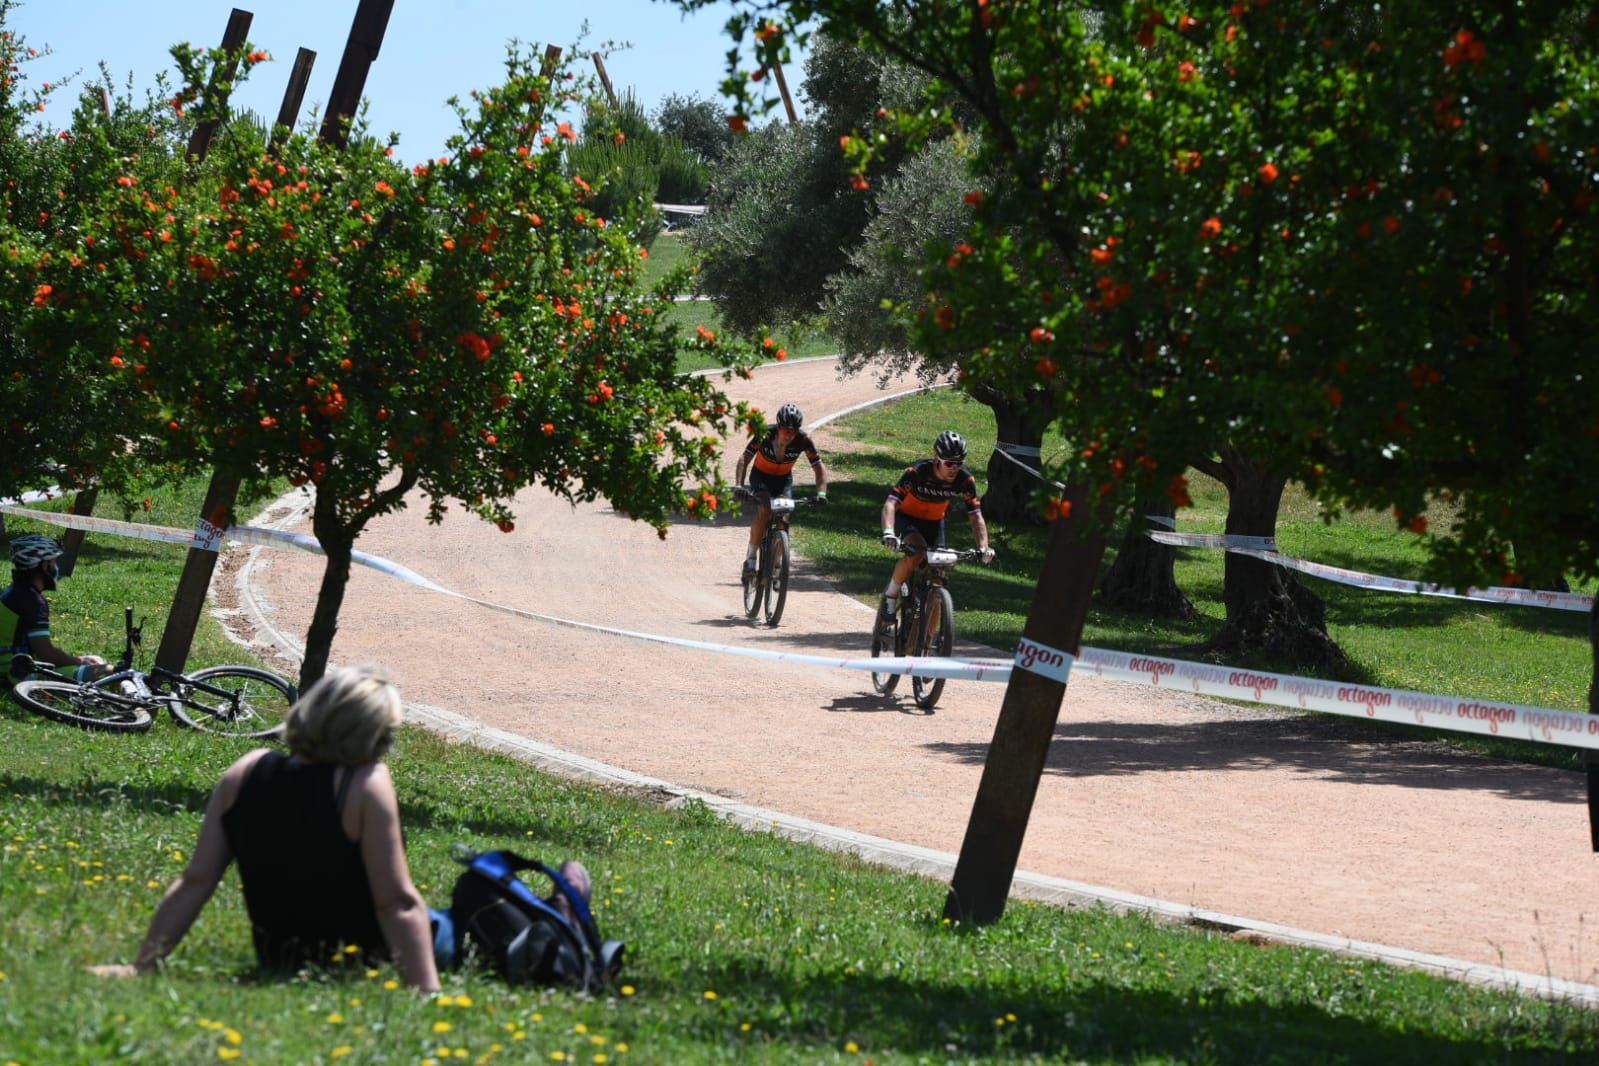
{"type": "Point", "coordinates": [317, 837]}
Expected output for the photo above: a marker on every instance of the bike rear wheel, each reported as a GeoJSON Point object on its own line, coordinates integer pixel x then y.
{"type": "Point", "coordinates": [936, 637]}
{"type": "Point", "coordinates": [777, 580]}
{"type": "Point", "coordinates": [255, 705]}
{"type": "Point", "coordinates": [83, 706]}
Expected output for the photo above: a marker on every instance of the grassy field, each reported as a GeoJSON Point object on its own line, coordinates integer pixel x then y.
{"type": "Point", "coordinates": [1520, 654]}
{"type": "Point", "coordinates": [742, 946]}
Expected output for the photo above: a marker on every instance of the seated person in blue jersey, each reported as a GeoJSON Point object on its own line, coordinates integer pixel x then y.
{"type": "Point", "coordinates": [774, 460]}
{"type": "Point", "coordinates": [25, 614]}
{"type": "Point", "coordinates": [317, 837]}
{"type": "Point", "coordinates": [918, 503]}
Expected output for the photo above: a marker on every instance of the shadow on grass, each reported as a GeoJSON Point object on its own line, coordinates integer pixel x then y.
{"type": "Point", "coordinates": [1336, 751]}
{"type": "Point", "coordinates": [966, 1019]}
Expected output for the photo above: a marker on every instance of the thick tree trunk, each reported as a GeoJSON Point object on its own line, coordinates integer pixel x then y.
{"type": "Point", "coordinates": [1268, 611]}
{"type": "Point", "coordinates": [1141, 580]}
{"type": "Point", "coordinates": [1011, 488]}
{"type": "Point", "coordinates": [338, 544]}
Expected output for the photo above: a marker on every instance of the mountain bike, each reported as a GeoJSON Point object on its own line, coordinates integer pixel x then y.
{"type": "Point", "coordinates": [924, 624]}
{"type": "Point", "coordinates": [767, 585]}
{"type": "Point", "coordinates": [237, 701]}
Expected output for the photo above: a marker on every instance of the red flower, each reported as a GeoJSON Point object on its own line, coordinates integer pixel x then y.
{"type": "Point", "coordinates": [974, 198]}
{"type": "Point", "coordinates": [1268, 173]}
{"type": "Point", "coordinates": [1101, 256]}
{"type": "Point", "coordinates": [506, 525]}
{"type": "Point", "coordinates": [126, 182]}
{"type": "Point", "coordinates": [1210, 228]}
{"type": "Point", "coordinates": [549, 429]}
{"type": "Point", "coordinates": [782, 354]}
{"type": "Point", "coordinates": [474, 344]}
{"type": "Point", "coordinates": [565, 130]}
{"type": "Point", "coordinates": [1040, 335]}
{"type": "Point", "coordinates": [859, 183]}
{"type": "Point", "coordinates": [738, 123]}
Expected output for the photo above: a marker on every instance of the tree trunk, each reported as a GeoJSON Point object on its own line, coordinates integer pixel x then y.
{"type": "Point", "coordinates": [1011, 489]}
{"type": "Point", "coordinates": [337, 543]}
{"type": "Point", "coordinates": [1141, 581]}
{"type": "Point", "coordinates": [1268, 611]}
{"type": "Point", "coordinates": [1593, 708]}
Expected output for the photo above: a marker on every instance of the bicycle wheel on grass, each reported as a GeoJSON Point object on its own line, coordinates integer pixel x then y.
{"type": "Point", "coordinates": [83, 706]}
{"type": "Point", "coordinates": [252, 702]}
{"type": "Point", "coordinates": [936, 637]}
{"type": "Point", "coordinates": [777, 579]}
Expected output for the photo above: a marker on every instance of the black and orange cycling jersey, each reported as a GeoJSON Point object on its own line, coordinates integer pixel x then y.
{"type": "Point", "coordinates": [767, 461]}
{"type": "Point", "coordinates": [922, 495]}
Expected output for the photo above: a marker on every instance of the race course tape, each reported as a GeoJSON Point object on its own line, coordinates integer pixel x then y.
{"type": "Point", "coordinates": [1216, 540]}
{"type": "Point", "coordinates": [1536, 724]}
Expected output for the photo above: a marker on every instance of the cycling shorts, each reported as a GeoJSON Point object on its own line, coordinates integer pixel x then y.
{"type": "Point", "coordinates": [930, 529]}
{"type": "Point", "coordinates": [771, 484]}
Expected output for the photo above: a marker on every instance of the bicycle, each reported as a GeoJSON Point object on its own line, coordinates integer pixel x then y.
{"type": "Point", "coordinates": [767, 585]}
{"type": "Point", "coordinates": [237, 701]}
{"type": "Point", "coordinates": [924, 623]}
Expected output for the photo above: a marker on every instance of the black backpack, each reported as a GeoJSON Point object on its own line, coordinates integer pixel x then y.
{"type": "Point", "coordinates": [527, 941]}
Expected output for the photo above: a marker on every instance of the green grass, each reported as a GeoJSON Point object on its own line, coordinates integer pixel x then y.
{"type": "Point", "coordinates": [742, 946]}
{"type": "Point", "coordinates": [1519, 654]}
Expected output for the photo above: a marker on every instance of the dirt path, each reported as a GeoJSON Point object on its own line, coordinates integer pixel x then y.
{"type": "Point", "coordinates": [1275, 816]}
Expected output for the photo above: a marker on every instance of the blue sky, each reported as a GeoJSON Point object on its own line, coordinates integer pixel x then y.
{"type": "Point", "coordinates": [433, 49]}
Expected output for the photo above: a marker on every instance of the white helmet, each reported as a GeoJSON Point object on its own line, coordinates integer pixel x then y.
{"type": "Point", "coordinates": [32, 550]}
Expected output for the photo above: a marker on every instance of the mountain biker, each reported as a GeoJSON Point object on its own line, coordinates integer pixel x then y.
{"type": "Point", "coordinates": [916, 506]}
{"type": "Point", "coordinates": [774, 470]}
{"type": "Point", "coordinates": [25, 613]}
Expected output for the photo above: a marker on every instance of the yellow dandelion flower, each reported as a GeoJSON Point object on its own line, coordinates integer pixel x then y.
{"type": "Point", "coordinates": [350, 949]}
{"type": "Point", "coordinates": [463, 1001]}
{"type": "Point", "coordinates": [371, 974]}
{"type": "Point", "coordinates": [152, 884]}
{"type": "Point", "coordinates": [429, 1062]}
{"type": "Point", "coordinates": [628, 990]}
{"type": "Point", "coordinates": [355, 1001]}
{"type": "Point", "coordinates": [580, 1028]}
{"type": "Point", "coordinates": [225, 1053]}
{"type": "Point", "coordinates": [597, 1040]}
{"type": "Point", "coordinates": [601, 1057]}
{"type": "Point", "coordinates": [1009, 1017]}
{"type": "Point", "coordinates": [537, 1016]}
{"type": "Point", "coordinates": [999, 1021]}
{"type": "Point", "coordinates": [2, 975]}
{"type": "Point", "coordinates": [335, 1018]}
{"type": "Point", "coordinates": [495, 1049]}
{"type": "Point", "coordinates": [340, 1051]}
{"type": "Point", "coordinates": [442, 1027]}
{"type": "Point", "coordinates": [391, 984]}
{"type": "Point", "coordinates": [520, 1034]}
{"type": "Point", "coordinates": [744, 1028]}
{"type": "Point", "coordinates": [668, 843]}
{"type": "Point", "coordinates": [709, 994]}
{"type": "Point", "coordinates": [446, 1001]}
{"type": "Point", "coordinates": [558, 1056]}
{"type": "Point", "coordinates": [852, 1047]}
{"type": "Point", "coordinates": [233, 1036]}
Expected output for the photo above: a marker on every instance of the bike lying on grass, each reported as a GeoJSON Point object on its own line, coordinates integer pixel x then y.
{"type": "Point", "coordinates": [924, 624]}
{"type": "Point", "coordinates": [767, 585]}
{"type": "Point", "coordinates": [237, 701]}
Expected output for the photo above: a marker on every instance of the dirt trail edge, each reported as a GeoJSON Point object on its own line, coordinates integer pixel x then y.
{"type": "Point", "coordinates": [1161, 794]}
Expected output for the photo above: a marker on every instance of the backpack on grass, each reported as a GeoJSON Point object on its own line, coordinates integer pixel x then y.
{"type": "Point", "coordinates": [498, 918]}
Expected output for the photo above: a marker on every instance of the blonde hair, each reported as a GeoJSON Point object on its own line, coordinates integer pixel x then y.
{"type": "Point", "coordinates": [348, 717]}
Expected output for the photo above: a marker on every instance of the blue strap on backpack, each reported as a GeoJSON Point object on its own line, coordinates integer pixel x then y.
{"type": "Point", "coordinates": [496, 916]}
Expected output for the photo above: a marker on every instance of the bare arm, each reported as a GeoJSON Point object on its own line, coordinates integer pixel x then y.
{"type": "Point", "coordinates": [43, 650]}
{"type": "Point", "coordinates": [821, 476]}
{"type": "Point", "coordinates": [980, 529]}
{"type": "Point", "coordinates": [744, 462]}
{"type": "Point", "coordinates": [188, 894]}
{"type": "Point", "coordinates": [402, 914]}
{"type": "Point", "coordinates": [890, 506]}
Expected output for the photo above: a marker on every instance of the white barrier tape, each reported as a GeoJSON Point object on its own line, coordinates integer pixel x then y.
{"type": "Point", "coordinates": [1163, 521]}
{"type": "Point", "coordinates": [1216, 540]}
{"type": "Point", "coordinates": [111, 525]}
{"type": "Point", "coordinates": [1540, 725]}
{"type": "Point", "coordinates": [1560, 601]}
{"type": "Point", "coordinates": [1036, 473]}
{"type": "Point", "coordinates": [1043, 660]}
{"type": "Point", "coordinates": [32, 497]}
{"type": "Point", "coordinates": [1019, 449]}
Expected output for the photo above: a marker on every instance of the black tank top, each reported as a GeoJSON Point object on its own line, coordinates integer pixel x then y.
{"type": "Point", "coordinates": [305, 884]}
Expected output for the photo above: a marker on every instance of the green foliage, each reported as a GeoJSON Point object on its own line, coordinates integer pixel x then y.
{"type": "Point", "coordinates": [699, 123]}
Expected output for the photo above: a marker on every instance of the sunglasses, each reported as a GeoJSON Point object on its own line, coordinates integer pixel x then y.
{"type": "Point", "coordinates": [950, 464]}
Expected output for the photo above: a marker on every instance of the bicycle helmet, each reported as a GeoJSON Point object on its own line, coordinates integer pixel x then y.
{"type": "Point", "coordinates": [32, 550]}
{"type": "Point", "coordinates": [789, 417]}
{"type": "Point", "coordinates": [950, 445]}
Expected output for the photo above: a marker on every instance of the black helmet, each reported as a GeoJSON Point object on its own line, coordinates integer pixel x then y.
{"type": "Point", "coordinates": [789, 417]}
{"type": "Point", "coordinates": [32, 550]}
{"type": "Point", "coordinates": [950, 445]}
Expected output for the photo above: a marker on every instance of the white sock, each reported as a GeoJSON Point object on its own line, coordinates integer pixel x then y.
{"type": "Point", "coordinates": [892, 592]}
{"type": "Point", "coordinates": [749, 554]}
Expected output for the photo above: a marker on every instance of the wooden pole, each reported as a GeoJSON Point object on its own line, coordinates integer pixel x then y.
{"type": "Point", "coordinates": [1026, 725]}
{"type": "Point", "coordinates": [233, 38]}
{"type": "Point", "coordinates": [360, 52]}
{"type": "Point", "coordinates": [605, 80]}
{"type": "Point", "coordinates": [788, 101]}
{"type": "Point", "coordinates": [552, 56]}
{"type": "Point", "coordinates": [294, 92]}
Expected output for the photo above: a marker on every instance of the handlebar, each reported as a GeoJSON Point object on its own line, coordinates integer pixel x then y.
{"type": "Point", "coordinates": [943, 556]}
{"type": "Point", "coordinates": [742, 492]}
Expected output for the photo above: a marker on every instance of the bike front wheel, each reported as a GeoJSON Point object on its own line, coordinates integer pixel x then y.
{"type": "Point", "coordinates": [248, 702]}
{"type": "Point", "coordinates": [777, 579]}
{"type": "Point", "coordinates": [936, 637]}
{"type": "Point", "coordinates": [83, 706]}
{"type": "Point", "coordinates": [752, 583]}
{"type": "Point", "coordinates": [885, 641]}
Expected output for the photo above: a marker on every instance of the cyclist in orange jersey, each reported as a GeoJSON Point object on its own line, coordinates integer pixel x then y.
{"type": "Point", "coordinates": [773, 472]}
{"type": "Point", "coordinates": [916, 506]}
